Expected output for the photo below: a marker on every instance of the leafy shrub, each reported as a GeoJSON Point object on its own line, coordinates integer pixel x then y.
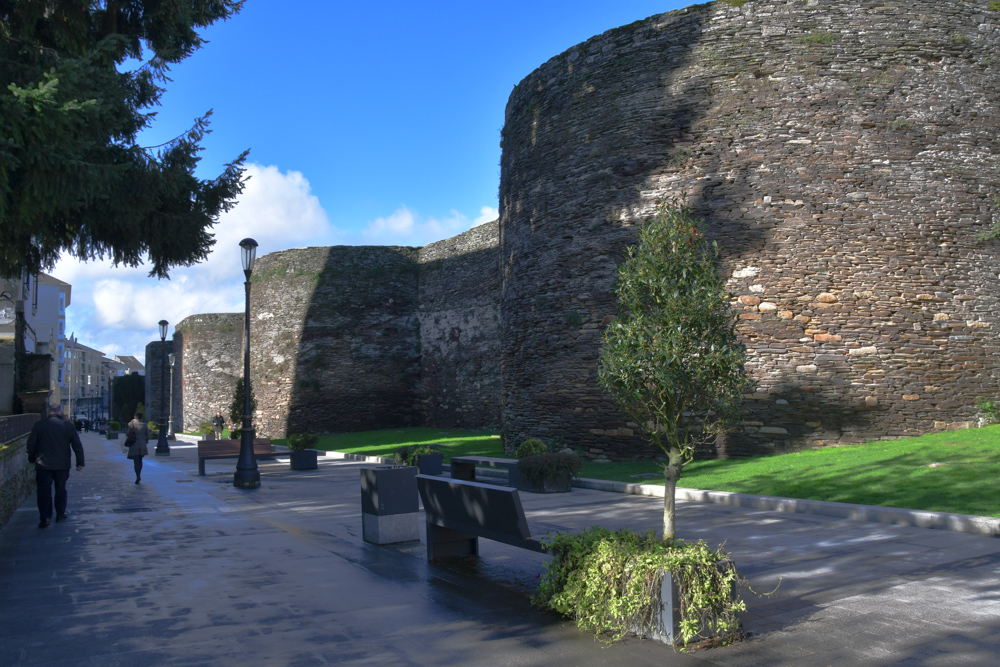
{"type": "Point", "coordinates": [153, 428]}
{"type": "Point", "coordinates": [990, 410]}
{"type": "Point", "coordinates": [531, 447]}
{"type": "Point", "coordinates": [558, 468]}
{"type": "Point", "coordinates": [114, 426]}
{"type": "Point", "coordinates": [408, 455]}
{"type": "Point", "coordinates": [298, 442]}
{"type": "Point", "coordinates": [206, 428]}
{"type": "Point", "coordinates": [609, 583]}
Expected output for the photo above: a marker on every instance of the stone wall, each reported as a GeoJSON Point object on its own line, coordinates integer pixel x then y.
{"type": "Point", "coordinates": [17, 477]}
{"type": "Point", "coordinates": [459, 320]}
{"type": "Point", "coordinates": [334, 336]}
{"type": "Point", "coordinates": [844, 155]}
{"type": "Point", "coordinates": [209, 362]}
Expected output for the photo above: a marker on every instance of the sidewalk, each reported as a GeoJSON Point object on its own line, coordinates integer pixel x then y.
{"type": "Point", "coordinates": [188, 570]}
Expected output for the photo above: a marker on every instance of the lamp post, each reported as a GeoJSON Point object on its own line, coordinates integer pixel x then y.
{"type": "Point", "coordinates": [247, 476]}
{"type": "Point", "coordinates": [170, 401]}
{"type": "Point", "coordinates": [162, 448]}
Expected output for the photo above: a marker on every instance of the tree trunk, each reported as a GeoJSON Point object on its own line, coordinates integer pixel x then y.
{"type": "Point", "coordinates": [671, 473]}
{"type": "Point", "coordinates": [669, 490]}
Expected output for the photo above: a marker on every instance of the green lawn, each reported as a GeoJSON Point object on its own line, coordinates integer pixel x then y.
{"type": "Point", "coordinates": [957, 471]}
{"type": "Point", "coordinates": [899, 473]}
{"type": "Point", "coordinates": [455, 442]}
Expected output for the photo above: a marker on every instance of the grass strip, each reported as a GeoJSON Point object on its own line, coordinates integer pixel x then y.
{"type": "Point", "coordinates": [955, 471]}
{"type": "Point", "coordinates": [385, 442]}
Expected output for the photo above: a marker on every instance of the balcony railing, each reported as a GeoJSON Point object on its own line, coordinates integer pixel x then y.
{"type": "Point", "coordinates": [13, 427]}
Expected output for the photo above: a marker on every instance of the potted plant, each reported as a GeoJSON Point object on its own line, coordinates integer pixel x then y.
{"type": "Point", "coordinates": [427, 458]}
{"type": "Point", "coordinates": [154, 430]}
{"type": "Point", "coordinates": [541, 471]}
{"type": "Point", "coordinates": [301, 457]}
{"type": "Point", "coordinates": [207, 431]}
{"type": "Point", "coordinates": [113, 430]}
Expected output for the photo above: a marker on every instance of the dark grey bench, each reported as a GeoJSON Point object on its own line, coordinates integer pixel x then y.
{"type": "Point", "coordinates": [464, 468]}
{"type": "Point", "coordinates": [230, 449]}
{"type": "Point", "coordinates": [459, 512]}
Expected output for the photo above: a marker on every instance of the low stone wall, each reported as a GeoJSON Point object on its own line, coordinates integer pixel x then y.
{"type": "Point", "coordinates": [16, 478]}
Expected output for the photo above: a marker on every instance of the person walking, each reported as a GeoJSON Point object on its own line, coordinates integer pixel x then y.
{"type": "Point", "coordinates": [137, 445]}
{"type": "Point", "coordinates": [218, 423]}
{"type": "Point", "coordinates": [49, 446]}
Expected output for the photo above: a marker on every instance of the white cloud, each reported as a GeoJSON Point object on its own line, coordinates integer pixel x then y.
{"type": "Point", "coordinates": [486, 214]}
{"type": "Point", "coordinates": [116, 309]}
{"type": "Point", "coordinates": [404, 227]}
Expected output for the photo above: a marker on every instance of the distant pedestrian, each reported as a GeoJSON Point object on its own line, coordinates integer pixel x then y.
{"type": "Point", "coordinates": [48, 448]}
{"type": "Point", "coordinates": [218, 424]}
{"type": "Point", "coordinates": [137, 446]}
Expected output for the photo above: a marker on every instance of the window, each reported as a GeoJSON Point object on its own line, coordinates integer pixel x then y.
{"type": "Point", "coordinates": [88, 379]}
{"type": "Point", "coordinates": [62, 328]}
{"type": "Point", "coordinates": [60, 377]}
{"type": "Point", "coordinates": [62, 307]}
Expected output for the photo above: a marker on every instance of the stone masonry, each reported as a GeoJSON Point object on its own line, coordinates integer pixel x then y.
{"type": "Point", "coordinates": [210, 359]}
{"type": "Point", "coordinates": [353, 338]}
{"type": "Point", "coordinates": [843, 154]}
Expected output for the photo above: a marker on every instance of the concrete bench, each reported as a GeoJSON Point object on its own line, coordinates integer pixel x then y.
{"type": "Point", "coordinates": [459, 512]}
{"type": "Point", "coordinates": [230, 449]}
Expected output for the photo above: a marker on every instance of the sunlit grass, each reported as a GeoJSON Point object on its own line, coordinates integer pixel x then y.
{"type": "Point", "coordinates": [956, 471]}
{"type": "Point", "coordinates": [454, 442]}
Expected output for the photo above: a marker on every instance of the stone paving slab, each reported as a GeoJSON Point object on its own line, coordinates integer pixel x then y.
{"type": "Point", "coordinates": [188, 570]}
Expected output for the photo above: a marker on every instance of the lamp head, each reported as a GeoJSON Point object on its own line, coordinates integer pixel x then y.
{"type": "Point", "coordinates": [171, 358]}
{"type": "Point", "coordinates": [248, 252]}
{"type": "Point", "coordinates": [163, 329]}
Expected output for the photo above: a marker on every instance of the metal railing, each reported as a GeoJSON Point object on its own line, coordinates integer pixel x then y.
{"type": "Point", "coordinates": [13, 427]}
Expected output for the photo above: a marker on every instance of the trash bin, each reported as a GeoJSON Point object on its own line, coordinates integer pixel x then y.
{"type": "Point", "coordinates": [389, 504]}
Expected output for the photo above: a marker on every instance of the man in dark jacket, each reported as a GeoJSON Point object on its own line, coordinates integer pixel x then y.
{"type": "Point", "coordinates": [49, 449]}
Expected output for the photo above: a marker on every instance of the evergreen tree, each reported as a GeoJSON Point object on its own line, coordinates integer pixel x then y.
{"type": "Point", "coordinates": [236, 407]}
{"type": "Point", "coordinates": [72, 177]}
{"type": "Point", "coordinates": [671, 358]}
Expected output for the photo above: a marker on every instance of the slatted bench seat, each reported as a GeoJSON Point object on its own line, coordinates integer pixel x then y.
{"type": "Point", "coordinates": [230, 449]}
{"type": "Point", "coordinates": [459, 512]}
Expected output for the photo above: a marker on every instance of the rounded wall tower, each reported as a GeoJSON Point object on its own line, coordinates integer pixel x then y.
{"type": "Point", "coordinates": [843, 154]}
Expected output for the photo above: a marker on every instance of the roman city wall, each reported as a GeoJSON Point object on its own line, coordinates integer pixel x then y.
{"type": "Point", "coordinates": [845, 157]}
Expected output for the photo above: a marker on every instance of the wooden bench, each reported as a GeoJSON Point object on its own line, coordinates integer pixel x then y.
{"type": "Point", "coordinates": [230, 449]}
{"type": "Point", "coordinates": [459, 512]}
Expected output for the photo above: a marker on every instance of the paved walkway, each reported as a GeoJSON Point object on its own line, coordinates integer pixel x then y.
{"type": "Point", "coordinates": [187, 570]}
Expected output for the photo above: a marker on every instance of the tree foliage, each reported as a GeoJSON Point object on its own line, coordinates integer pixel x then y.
{"type": "Point", "coordinates": [72, 177]}
{"type": "Point", "coordinates": [671, 357]}
{"type": "Point", "coordinates": [129, 392]}
{"type": "Point", "coordinates": [236, 407]}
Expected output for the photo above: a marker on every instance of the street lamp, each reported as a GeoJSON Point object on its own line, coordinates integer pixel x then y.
{"type": "Point", "coordinates": [162, 448]}
{"type": "Point", "coordinates": [170, 402]}
{"type": "Point", "coordinates": [247, 476]}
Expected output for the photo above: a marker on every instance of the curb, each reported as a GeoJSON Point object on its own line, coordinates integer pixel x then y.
{"type": "Point", "coordinates": [962, 523]}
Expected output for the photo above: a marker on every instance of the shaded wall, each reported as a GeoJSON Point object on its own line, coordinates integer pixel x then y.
{"type": "Point", "coordinates": [459, 319]}
{"type": "Point", "coordinates": [844, 156]}
{"type": "Point", "coordinates": [334, 339]}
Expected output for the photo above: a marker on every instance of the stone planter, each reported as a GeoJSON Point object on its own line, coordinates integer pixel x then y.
{"type": "Point", "coordinates": [389, 504]}
{"type": "Point", "coordinates": [112, 435]}
{"type": "Point", "coordinates": [667, 620]}
{"type": "Point", "coordinates": [549, 485]}
{"type": "Point", "coordinates": [430, 464]}
{"type": "Point", "coordinates": [303, 460]}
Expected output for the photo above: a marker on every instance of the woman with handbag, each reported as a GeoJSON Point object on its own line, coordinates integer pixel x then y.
{"type": "Point", "coordinates": [135, 442]}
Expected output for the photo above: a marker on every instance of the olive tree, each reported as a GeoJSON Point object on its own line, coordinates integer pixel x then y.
{"type": "Point", "coordinates": [671, 357]}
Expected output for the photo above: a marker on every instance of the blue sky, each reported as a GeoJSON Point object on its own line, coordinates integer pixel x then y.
{"type": "Point", "coordinates": [367, 123]}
